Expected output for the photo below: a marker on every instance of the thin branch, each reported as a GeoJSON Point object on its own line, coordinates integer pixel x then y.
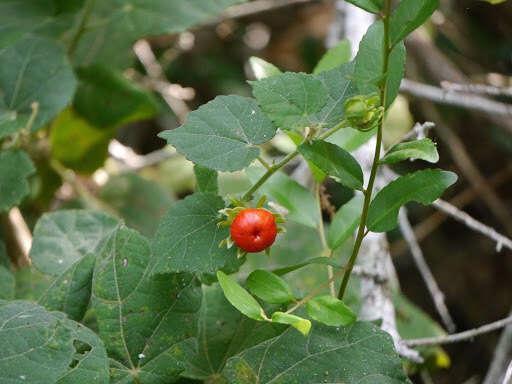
{"type": "Point", "coordinates": [484, 89]}
{"type": "Point", "coordinates": [508, 374]}
{"type": "Point", "coordinates": [462, 336]}
{"type": "Point", "coordinates": [20, 237]}
{"type": "Point", "coordinates": [502, 354]}
{"type": "Point", "coordinates": [470, 222]}
{"type": "Point", "coordinates": [132, 161]}
{"type": "Point", "coordinates": [426, 273]}
{"type": "Point", "coordinates": [463, 100]}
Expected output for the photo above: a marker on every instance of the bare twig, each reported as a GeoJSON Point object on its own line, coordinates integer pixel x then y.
{"type": "Point", "coordinates": [457, 214]}
{"type": "Point", "coordinates": [426, 273]}
{"type": "Point", "coordinates": [484, 89]}
{"type": "Point", "coordinates": [502, 354]}
{"type": "Point", "coordinates": [155, 72]}
{"type": "Point", "coordinates": [508, 374]}
{"type": "Point", "coordinates": [132, 161]}
{"type": "Point", "coordinates": [20, 237]}
{"type": "Point", "coordinates": [458, 99]}
{"type": "Point", "coordinates": [462, 336]}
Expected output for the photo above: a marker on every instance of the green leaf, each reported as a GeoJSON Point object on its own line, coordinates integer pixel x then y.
{"type": "Point", "coordinates": [141, 203]}
{"type": "Point", "coordinates": [360, 353]}
{"type": "Point", "coordinates": [65, 246]}
{"type": "Point", "coordinates": [125, 21]}
{"type": "Point", "coordinates": [15, 168]}
{"type": "Point", "coordinates": [330, 311]}
{"type": "Point", "coordinates": [36, 346]}
{"type": "Point", "coordinates": [78, 145]}
{"type": "Point", "coordinates": [373, 6]}
{"type": "Point", "coordinates": [409, 15]}
{"type": "Point", "coordinates": [345, 222]}
{"type": "Point", "coordinates": [263, 69]}
{"type": "Point", "coordinates": [300, 324]}
{"type": "Point", "coordinates": [106, 99]}
{"type": "Point", "coordinates": [35, 70]}
{"type": "Point", "coordinates": [369, 62]}
{"type": "Point", "coordinates": [350, 139]}
{"type": "Point", "coordinates": [423, 149]}
{"type": "Point", "coordinates": [240, 298]}
{"type": "Point", "coordinates": [315, 260]}
{"type": "Point", "coordinates": [206, 179]}
{"type": "Point", "coordinates": [188, 238]}
{"type": "Point", "coordinates": [146, 322]}
{"type": "Point", "coordinates": [269, 287]}
{"type": "Point", "coordinates": [334, 57]}
{"type": "Point", "coordinates": [7, 284]}
{"type": "Point", "coordinates": [222, 133]}
{"type": "Point", "coordinates": [299, 201]}
{"type": "Point", "coordinates": [223, 332]}
{"type": "Point", "coordinates": [335, 162]}
{"type": "Point", "coordinates": [341, 87]}
{"type": "Point", "coordinates": [421, 186]}
{"type": "Point", "coordinates": [291, 99]}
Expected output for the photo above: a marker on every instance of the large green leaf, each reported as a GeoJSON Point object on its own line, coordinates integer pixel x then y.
{"type": "Point", "coordinates": [115, 25]}
{"type": "Point", "coordinates": [222, 133]}
{"type": "Point", "coordinates": [7, 284]}
{"type": "Point", "coordinates": [291, 99]}
{"type": "Point", "coordinates": [345, 222]}
{"type": "Point", "coordinates": [369, 61]}
{"type": "Point", "coordinates": [35, 70]}
{"type": "Point", "coordinates": [361, 353]}
{"type": "Point", "coordinates": [299, 202]}
{"type": "Point", "coordinates": [423, 149]}
{"type": "Point", "coordinates": [77, 144]}
{"type": "Point", "coordinates": [141, 203]}
{"type": "Point", "coordinates": [421, 186]}
{"type": "Point", "coordinates": [240, 298]}
{"type": "Point", "coordinates": [15, 167]}
{"type": "Point", "coordinates": [106, 98]}
{"type": "Point", "coordinates": [341, 87]}
{"type": "Point", "coordinates": [65, 246]}
{"type": "Point", "coordinates": [408, 16]}
{"type": "Point", "coordinates": [334, 57]}
{"type": "Point", "coordinates": [188, 238]}
{"type": "Point", "coordinates": [146, 322]}
{"type": "Point", "coordinates": [39, 347]}
{"type": "Point", "coordinates": [223, 332]}
{"type": "Point", "coordinates": [373, 6]}
{"type": "Point", "coordinates": [335, 162]}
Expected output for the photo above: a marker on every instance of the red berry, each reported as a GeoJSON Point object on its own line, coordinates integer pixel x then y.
{"type": "Point", "coordinates": [254, 230]}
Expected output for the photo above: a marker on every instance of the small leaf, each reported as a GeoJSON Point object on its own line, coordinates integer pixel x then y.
{"type": "Point", "coordinates": [188, 238]}
{"type": "Point", "coordinates": [15, 168]}
{"type": "Point", "coordinates": [299, 201]}
{"type": "Point", "coordinates": [240, 298]}
{"type": "Point", "coordinates": [300, 324]}
{"type": "Point", "coordinates": [335, 162]}
{"type": "Point", "coordinates": [421, 186]}
{"type": "Point", "coordinates": [423, 149]}
{"type": "Point", "coordinates": [345, 222]}
{"type": "Point", "coordinates": [408, 16]}
{"type": "Point", "coordinates": [369, 60]}
{"type": "Point", "coordinates": [263, 69]}
{"type": "Point", "coordinates": [372, 6]}
{"type": "Point", "coordinates": [290, 99]}
{"type": "Point", "coordinates": [36, 69]}
{"type": "Point", "coordinates": [206, 179]}
{"type": "Point", "coordinates": [330, 311]}
{"type": "Point", "coordinates": [222, 133]}
{"type": "Point", "coordinates": [335, 56]}
{"type": "Point", "coordinates": [269, 287]}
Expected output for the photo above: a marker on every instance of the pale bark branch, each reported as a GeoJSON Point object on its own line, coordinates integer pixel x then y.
{"type": "Point", "coordinates": [484, 89]}
{"type": "Point", "coordinates": [502, 354]}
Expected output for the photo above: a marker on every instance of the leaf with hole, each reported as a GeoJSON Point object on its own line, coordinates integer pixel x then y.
{"type": "Point", "coordinates": [222, 133]}
{"type": "Point", "coordinates": [421, 186]}
{"type": "Point", "coordinates": [269, 287]}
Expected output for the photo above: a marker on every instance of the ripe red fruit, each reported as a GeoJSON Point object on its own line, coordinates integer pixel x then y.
{"type": "Point", "coordinates": [254, 230]}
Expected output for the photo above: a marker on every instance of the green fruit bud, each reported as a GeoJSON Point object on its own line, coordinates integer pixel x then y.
{"type": "Point", "coordinates": [363, 112]}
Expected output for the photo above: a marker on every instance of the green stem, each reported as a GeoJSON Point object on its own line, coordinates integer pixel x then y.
{"type": "Point", "coordinates": [89, 5]}
{"type": "Point", "coordinates": [274, 168]}
{"type": "Point", "coordinates": [321, 230]}
{"type": "Point", "coordinates": [368, 193]}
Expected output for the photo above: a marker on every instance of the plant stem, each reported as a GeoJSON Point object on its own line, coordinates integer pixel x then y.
{"type": "Point", "coordinates": [274, 168]}
{"type": "Point", "coordinates": [89, 5]}
{"type": "Point", "coordinates": [376, 157]}
{"type": "Point", "coordinates": [321, 231]}
{"type": "Point", "coordinates": [263, 162]}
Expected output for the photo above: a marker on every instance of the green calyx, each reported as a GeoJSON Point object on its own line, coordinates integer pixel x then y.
{"type": "Point", "coordinates": [364, 112]}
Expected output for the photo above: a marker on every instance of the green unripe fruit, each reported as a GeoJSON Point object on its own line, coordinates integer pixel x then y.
{"type": "Point", "coordinates": [363, 112]}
